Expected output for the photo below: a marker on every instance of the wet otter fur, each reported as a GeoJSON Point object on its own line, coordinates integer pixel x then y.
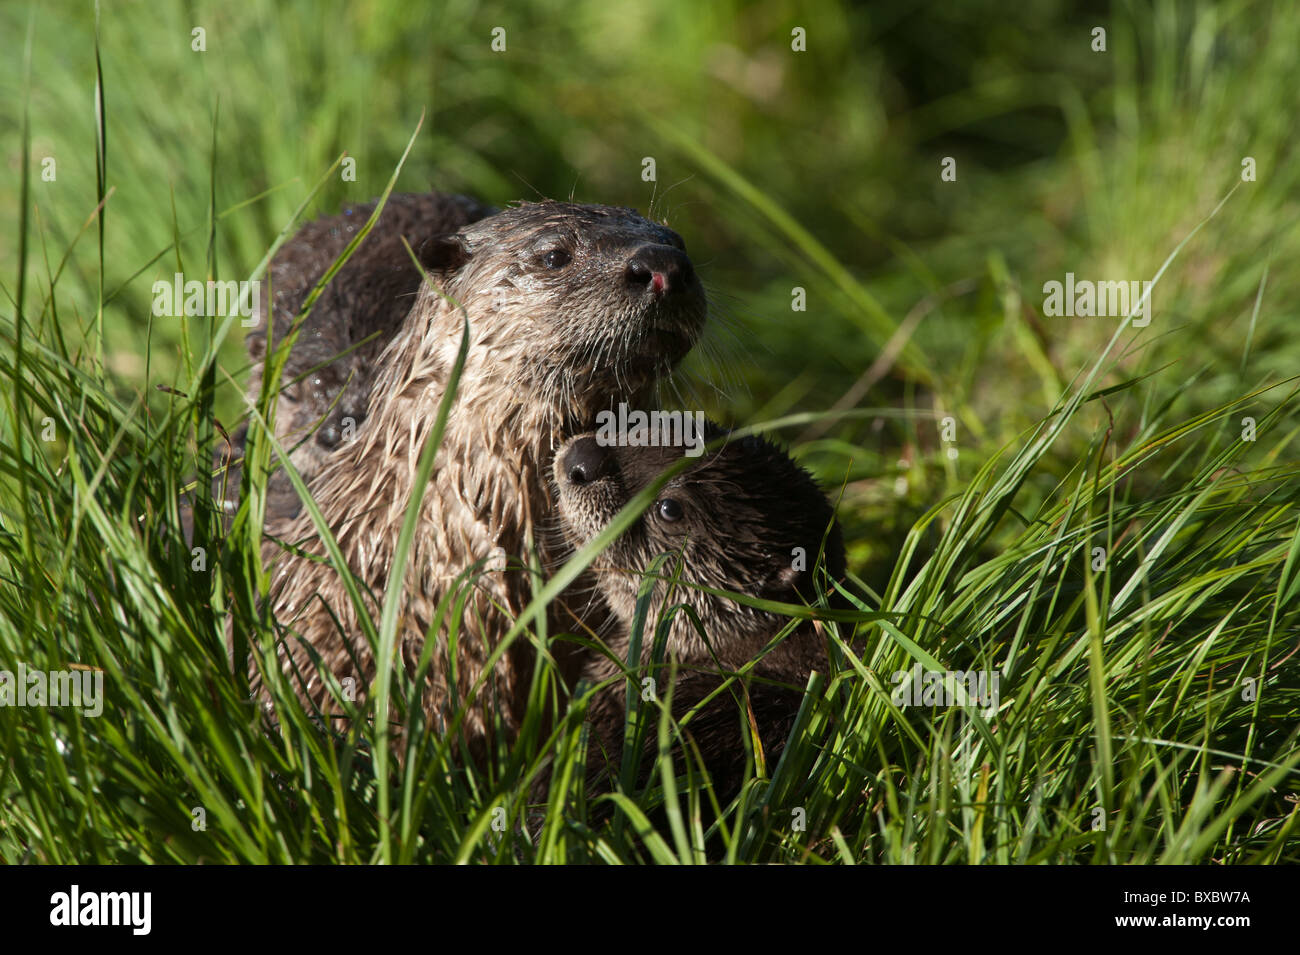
{"type": "Point", "coordinates": [734, 519]}
{"type": "Point", "coordinates": [325, 385]}
{"type": "Point", "coordinates": [572, 309]}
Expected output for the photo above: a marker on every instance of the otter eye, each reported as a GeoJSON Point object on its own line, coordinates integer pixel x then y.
{"type": "Point", "coordinates": [669, 510]}
{"type": "Point", "coordinates": [557, 259]}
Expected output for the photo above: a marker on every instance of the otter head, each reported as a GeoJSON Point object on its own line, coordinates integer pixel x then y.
{"type": "Point", "coordinates": [743, 518]}
{"type": "Point", "coordinates": [573, 306]}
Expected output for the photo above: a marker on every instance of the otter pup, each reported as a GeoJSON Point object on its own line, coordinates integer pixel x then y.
{"type": "Point", "coordinates": [738, 518]}
{"type": "Point", "coordinates": [326, 380]}
{"type": "Point", "coordinates": [571, 309]}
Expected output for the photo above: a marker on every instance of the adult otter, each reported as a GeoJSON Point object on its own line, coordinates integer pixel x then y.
{"type": "Point", "coordinates": [572, 309]}
{"type": "Point", "coordinates": [744, 518]}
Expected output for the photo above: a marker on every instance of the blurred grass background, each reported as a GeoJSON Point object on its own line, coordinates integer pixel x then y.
{"type": "Point", "coordinates": [818, 169]}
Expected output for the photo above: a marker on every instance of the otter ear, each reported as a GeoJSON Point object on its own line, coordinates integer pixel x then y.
{"type": "Point", "coordinates": [443, 253]}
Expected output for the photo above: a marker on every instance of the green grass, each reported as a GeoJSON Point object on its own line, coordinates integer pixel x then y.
{"type": "Point", "coordinates": [1149, 707]}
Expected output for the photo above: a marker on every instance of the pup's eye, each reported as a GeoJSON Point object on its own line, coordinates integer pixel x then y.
{"type": "Point", "coordinates": [556, 259]}
{"type": "Point", "coordinates": [669, 510]}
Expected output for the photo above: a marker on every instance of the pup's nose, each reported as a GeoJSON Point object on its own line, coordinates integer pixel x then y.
{"type": "Point", "coordinates": [585, 461]}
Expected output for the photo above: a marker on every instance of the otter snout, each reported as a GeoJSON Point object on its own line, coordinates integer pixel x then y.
{"type": "Point", "coordinates": [659, 269]}
{"type": "Point", "coordinates": [585, 461]}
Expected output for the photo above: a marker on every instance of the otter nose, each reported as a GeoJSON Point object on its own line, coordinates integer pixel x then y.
{"type": "Point", "coordinates": [585, 461]}
{"type": "Point", "coordinates": [661, 269]}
